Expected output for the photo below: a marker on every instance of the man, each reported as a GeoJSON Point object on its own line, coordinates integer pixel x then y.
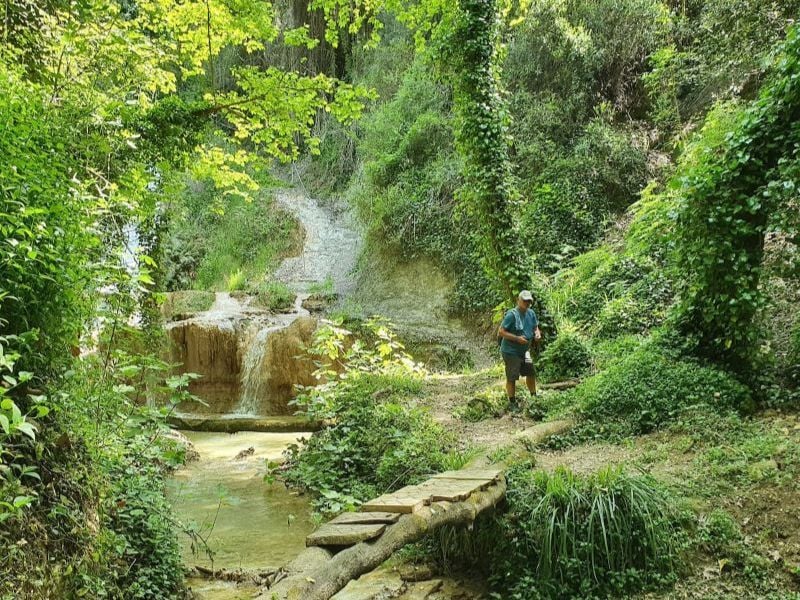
{"type": "Point", "coordinates": [519, 327]}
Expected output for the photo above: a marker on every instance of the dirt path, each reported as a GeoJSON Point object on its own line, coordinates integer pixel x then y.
{"type": "Point", "coordinates": [444, 394]}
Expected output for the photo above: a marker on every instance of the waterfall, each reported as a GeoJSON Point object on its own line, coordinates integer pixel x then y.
{"type": "Point", "coordinates": [251, 360]}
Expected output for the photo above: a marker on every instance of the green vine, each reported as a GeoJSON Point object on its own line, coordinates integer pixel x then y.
{"type": "Point", "coordinates": [727, 205]}
{"type": "Point", "coordinates": [472, 48]}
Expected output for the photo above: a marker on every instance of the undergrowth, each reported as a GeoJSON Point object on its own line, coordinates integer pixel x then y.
{"type": "Point", "coordinates": [378, 439]}
{"type": "Point", "coordinates": [564, 535]}
{"type": "Point", "coordinates": [225, 245]}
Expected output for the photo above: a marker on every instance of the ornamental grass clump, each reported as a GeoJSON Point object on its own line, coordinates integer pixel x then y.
{"type": "Point", "coordinates": [570, 535]}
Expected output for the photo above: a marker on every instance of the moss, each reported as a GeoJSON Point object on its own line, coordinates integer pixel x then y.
{"type": "Point", "coordinates": [187, 302]}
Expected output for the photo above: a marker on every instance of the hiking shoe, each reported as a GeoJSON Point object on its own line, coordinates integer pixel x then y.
{"type": "Point", "coordinates": [513, 406]}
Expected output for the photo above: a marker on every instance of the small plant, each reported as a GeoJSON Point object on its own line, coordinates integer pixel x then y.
{"type": "Point", "coordinates": [181, 303]}
{"type": "Point", "coordinates": [568, 535]}
{"type": "Point", "coordinates": [273, 295]}
{"type": "Point", "coordinates": [488, 404]}
{"type": "Point", "coordinates": [236, 281]}
{"type": "Point", "coordinates": [566, 357]}
{"type": "Point", "coordinates": [323, 289]}
{"type": "Point", "coordinates": [378, 441]}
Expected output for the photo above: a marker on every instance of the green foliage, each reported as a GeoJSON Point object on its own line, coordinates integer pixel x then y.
{"type": "Point", "coordinates": [235, 281]}
{"type": "Point", "coordinates": [727, 202]}
{"type": "Point", "coordinates": [608, 293]}
{"type": "Point", "coordinates": [565, 357]}
{"type": "Point", "coordinates": [96, 522]}
{"type": "Point", "coordinates": [207, 243]}
{"type": "Point", "coordinates": [470, 45]}
{"type": "Point", "coordinates": [571, 536]}
{"type": "Point", "coordinates": [490, 403]}
{"type": "Point", "coordinates": [716, 49]}
{"type": "Point", "coordinates": [647, 389]}
{"type": "Point", "coordinates": [273, 295]}
{"type": "Point", "coordinates": [378, 440]}
{"type": "Point", "coordinates": [186, 303]}
{"type": "Point", "coordinates": [44, 226]}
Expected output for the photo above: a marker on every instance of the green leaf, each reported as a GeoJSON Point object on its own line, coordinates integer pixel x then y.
{"type": "Point", "coordinates": [28, 429]}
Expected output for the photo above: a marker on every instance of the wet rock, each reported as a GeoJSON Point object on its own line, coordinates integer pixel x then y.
{"type": "Point", "coordinates": [277, 362]}
{"type": "Point", "coordinates": [415, 572]}
{"type": "Point", "coordinates": [377, 585]}
{"type": "Point", "coordinates": [318, 303]}
{"type": "Point", "coordinates": [190, 452]}
{"type": "Point", "coordinates": [212, 351]}
{"type": "Point", "coordinates": [422, 590]}
{"type": "Point", "coordinates": [245, 453]}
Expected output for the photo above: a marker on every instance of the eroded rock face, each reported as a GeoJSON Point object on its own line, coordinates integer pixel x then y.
{"type": "Point", "coordinates": [212, 351]}
{"type": "Point", "coordinates": [275, 363]}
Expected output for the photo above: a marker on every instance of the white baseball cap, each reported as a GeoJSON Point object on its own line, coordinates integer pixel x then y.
{"type": "Point", "coordinates": [526, 296]}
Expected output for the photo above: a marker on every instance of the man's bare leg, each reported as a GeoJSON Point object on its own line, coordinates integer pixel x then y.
{"type": "Point", "coordinates": [511, 389]}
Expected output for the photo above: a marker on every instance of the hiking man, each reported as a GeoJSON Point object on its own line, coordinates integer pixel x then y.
{"type": "Point", "coordinates": [519, 327]}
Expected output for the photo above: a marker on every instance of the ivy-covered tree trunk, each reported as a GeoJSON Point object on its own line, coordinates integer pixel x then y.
{"type": "Point", "coordinates": [724, 216]}
{"type": "Point", "coordinates": [471, 49]}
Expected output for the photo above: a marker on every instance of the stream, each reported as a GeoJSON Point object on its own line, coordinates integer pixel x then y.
{"type": "Point", "coordinates": [247, 360]}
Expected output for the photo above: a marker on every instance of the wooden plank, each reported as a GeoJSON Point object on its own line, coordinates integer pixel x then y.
{"type": "Point", "coordinates": [344, 535]}
{"type": "Point", "coordinates": [490, 474]}
{"type": "Point", "coordinates": [366, 518]}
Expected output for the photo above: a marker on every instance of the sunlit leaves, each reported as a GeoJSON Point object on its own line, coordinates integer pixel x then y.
{"type": "Point", "coordinates": [274, 107]}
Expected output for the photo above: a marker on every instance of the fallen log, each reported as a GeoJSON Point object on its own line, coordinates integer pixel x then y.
{"type": "Point", "coordinates": [318, 575]}
{"type": "Point", "coordinates": [560, 385]}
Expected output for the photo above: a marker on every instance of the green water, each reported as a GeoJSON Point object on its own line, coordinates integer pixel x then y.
{"type": "Point", "coordinates": [247, 523]}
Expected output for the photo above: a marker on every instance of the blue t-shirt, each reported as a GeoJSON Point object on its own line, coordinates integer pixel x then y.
{"type": "Point", "coordinates": [518, 324]}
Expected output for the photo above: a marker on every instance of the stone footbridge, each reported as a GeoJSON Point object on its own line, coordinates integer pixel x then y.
{"type": "Point", "coordinates": [355, 543]}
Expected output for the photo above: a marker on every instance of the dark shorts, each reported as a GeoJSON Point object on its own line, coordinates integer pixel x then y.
{"type": "Point", "coordinates": [516, 367]}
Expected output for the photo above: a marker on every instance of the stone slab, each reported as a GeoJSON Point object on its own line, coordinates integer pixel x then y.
{"type": "Point", "coordinates": [344, 535]}
{"type": "Point", "coordinates": [377, 585]}
{"type": "Point", "coordinates": [413, 497]}
{"type": "Point", "coordinates": [488, 474]}
{"type": "Point", "coordinates": [452, 490]}
{"type": "Point", "coordinates": [366, 518]}
{"type": "Point", "coordinates": [395, 503]}
{"type": "Point", "coordinates": [422, 590]}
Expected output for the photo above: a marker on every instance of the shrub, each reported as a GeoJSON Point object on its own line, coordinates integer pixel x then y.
{"type": "Point", "coordinates": [273, 295]}
{"type": "Point", "coordinates": [379, 443]}
{"type": "Point", "coordinates": [205, 245]}
{"type": "Point", "coordinates": [487, 404]}
{"type": "Point", "coordinates": [609, 293]}
{"type": "Point", "coordinates": [566, 535]}
{"type": "Point", "coordinates": [646, 389]}
{"type": "Point", "coordinates": [567, 356]}
{"type": "Point", "coordinates": [186, 302]}
{"type": "Point", "coordinates": [379, 440]}
{"type": "Point", "coordinates": [235, 281]}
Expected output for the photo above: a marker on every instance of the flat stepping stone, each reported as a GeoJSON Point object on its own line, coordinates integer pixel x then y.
{"type": "Point", "coordinates": [451, 490]}
{"type": "Point", "coordinates": [487, 474]}
{"type": "Point", "coordinates": [365, 518]}
{"type": "Point", "coordinates": [413, 497]}
{"type": "Point", "coordinates": [344, 535]}
{"type": "Point", "coordinates": [397, 502]}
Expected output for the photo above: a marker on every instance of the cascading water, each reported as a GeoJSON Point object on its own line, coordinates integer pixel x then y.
{"type": "Point", "coordinates": [250, 360]}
